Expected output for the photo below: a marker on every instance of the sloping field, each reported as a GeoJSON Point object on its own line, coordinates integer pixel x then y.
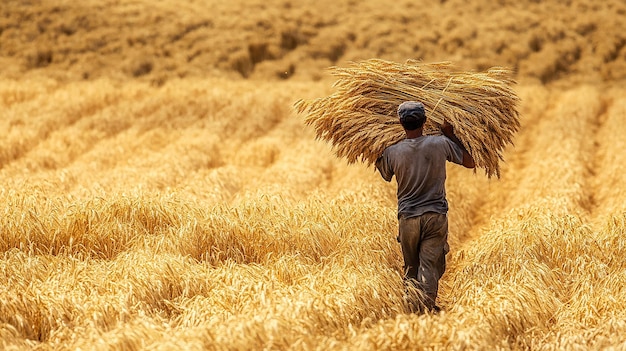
{"type": "Point", "coordinates": [156, 41]}
{"type": "Point", "coordinates": [190, 208]}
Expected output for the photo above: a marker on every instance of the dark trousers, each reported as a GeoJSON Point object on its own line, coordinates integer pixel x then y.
{"type": "Point", "coordinates": [424, 241]}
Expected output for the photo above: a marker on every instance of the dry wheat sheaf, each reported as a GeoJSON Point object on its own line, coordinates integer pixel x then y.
{"type": "Point", "coordinates": [360, 121]}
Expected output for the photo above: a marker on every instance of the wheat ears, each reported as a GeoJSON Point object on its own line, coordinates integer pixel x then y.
{"type": "Point", "coordinates": [360, 119]}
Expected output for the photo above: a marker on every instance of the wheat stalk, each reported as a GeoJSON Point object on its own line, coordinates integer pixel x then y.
{"type": "Point", "coordinates": [360, 120]}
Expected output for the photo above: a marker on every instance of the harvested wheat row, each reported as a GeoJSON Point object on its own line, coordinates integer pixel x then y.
{"type": "Point", "coordinates": [360, 120]}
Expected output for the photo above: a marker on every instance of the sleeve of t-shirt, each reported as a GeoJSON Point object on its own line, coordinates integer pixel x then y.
{"type": "Point", "coordinates": [454, 153]}
{"type": "Point", "coordinates": [383, 166]}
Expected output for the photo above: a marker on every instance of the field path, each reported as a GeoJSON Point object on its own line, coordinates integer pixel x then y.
{"type": "Point", "coordinates": [548, 170]}
{"type": "Point", "coordinates": [606, 169]}
{"type": "Point", "coordinates": [552, 161]}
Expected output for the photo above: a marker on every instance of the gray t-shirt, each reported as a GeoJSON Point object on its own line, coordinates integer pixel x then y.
{"type": "Point", "coordinates": [419, 165]}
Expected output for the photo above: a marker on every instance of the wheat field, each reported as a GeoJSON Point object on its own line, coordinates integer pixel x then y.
{"type": "Point", "coordinates": [159, 192]}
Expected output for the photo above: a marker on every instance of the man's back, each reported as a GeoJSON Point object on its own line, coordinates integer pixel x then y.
{"type": "Point", "coordinates": [419, 165]}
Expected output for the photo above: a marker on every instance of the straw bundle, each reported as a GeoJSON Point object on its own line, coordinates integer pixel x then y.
{"type": "Point", "coordinates": [360, 119]}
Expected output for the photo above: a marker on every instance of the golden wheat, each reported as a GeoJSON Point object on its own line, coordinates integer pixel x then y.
{"type": "Point", "coordinates": [180, 211]}
{"type": "Point", "coordinates": [147, 240]}
{"type": "Point", "coordinates": [360, 119]}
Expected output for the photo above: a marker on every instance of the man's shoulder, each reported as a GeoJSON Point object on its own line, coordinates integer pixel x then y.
{"type": "Point", "coordinates": [426, 141]}
{"type": "Point", "coordinates": [434, 141]}
{"type": "Point", "coordinates": [395, 146]}
{"type": "Point", "coordinates": [436, 138]}
{"type": "Point", "coordinates": [411, 144]}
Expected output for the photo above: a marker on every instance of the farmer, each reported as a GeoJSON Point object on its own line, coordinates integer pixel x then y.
{"type": "Point", "coordinates": [419, 164]}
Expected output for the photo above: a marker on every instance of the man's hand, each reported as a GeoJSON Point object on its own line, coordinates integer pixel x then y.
{"type": "Point", "coordinates": [447, 129]}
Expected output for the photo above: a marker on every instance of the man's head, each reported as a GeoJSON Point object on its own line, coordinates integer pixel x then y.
{"type": "Point", "coordinates": [412, 115]}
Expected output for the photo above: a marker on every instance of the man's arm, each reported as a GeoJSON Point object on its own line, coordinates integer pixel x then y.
{"type": "Point", "coordinates": [448, 131]}
{"type": "Point", "coordinates": [383, 168]}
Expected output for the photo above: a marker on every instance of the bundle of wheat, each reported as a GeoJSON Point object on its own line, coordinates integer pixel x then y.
{"type": "Point", "coordinates": [360, 119]}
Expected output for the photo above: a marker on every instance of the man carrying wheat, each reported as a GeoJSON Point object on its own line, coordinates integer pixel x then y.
{"type": "Point", "coordinates": [419, 164]}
